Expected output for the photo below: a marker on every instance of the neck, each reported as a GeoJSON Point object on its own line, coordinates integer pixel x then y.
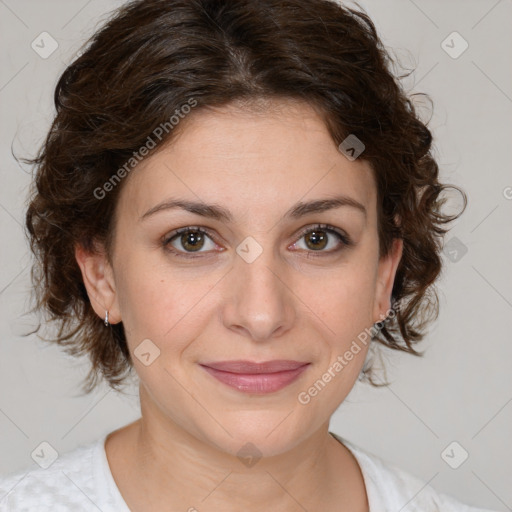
{"type": "Point", "coordinates": [164, 464]}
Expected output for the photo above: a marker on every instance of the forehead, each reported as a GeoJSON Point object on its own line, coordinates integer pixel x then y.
{"type": "Point", "coordinates": [267, 157]}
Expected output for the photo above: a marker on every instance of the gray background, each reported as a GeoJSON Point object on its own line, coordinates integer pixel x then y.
{"type": "Point", "coordinates": [460, 391]}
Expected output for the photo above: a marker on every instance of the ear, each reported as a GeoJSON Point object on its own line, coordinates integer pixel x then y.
{"type": "Point", "coordinates": [385, 278]}
{"type": "Point", "coordinates": [99, 281]}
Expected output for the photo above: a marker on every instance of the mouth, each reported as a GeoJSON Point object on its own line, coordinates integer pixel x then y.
{"type": "Point", "coordinates": [257, 378]}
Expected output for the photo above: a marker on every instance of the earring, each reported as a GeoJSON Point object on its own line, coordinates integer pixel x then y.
{"type": "Point", "coordinates": [106, 318]}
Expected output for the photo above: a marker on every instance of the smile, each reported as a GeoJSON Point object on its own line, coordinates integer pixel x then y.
{"type": "Point", "coordinates": [259, 378]}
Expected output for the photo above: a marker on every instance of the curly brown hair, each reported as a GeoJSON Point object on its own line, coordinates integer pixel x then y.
{"type": "Point", "coordinates": [153, 56]}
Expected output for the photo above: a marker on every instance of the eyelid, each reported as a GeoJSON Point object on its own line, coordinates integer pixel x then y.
{"type": "Point", "coordinates": [169, 236]}
{"type": "Point", "coordinates": [166, 240]}
{"type": "Point", "coordinates": [343, 237]}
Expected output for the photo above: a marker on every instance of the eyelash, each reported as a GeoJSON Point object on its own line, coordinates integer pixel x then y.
{"type": "Point", "coordinates": [343, 237]}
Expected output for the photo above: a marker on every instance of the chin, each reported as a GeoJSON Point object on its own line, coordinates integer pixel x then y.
{"type": "Point", "coordinates": [259, 433]}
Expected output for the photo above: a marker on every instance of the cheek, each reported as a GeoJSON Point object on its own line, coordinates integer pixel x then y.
{"type": "Point", "coordinates": [158, 304]}
{"type": "Point", "coordinates": [346, 298]}
{"type": "Point", "coordinates": [345, 316]}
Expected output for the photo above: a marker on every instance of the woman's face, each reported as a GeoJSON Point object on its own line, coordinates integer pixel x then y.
{"type": "Point", "coordinates": [253, 287]}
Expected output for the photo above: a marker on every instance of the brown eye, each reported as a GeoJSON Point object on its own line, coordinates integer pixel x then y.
{"type": "Point", "coordinates": [316, 240]}
{"type": "Point", "coordinates": [192, 240]}
{"type": "Point", "coordinates": [323, 239]}
{"type": "Point", "coordinates": [189, 240]}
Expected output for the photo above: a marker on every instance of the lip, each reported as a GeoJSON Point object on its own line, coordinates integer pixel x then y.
{"type": "Point", "coordinates": [259, 378]}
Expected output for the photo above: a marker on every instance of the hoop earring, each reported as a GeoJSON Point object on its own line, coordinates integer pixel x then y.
{"type": "Point", "coordinates": [106, 318]}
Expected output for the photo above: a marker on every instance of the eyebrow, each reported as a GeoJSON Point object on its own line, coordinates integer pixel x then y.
{"type": "Point", "coordinates": [217, 212]}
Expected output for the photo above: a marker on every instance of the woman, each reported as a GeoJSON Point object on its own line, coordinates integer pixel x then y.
{"type": "Point", "coordinates": [234, 200]}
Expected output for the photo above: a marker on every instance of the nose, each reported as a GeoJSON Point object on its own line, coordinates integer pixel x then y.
{"type": "Point", "coordinates": [259, 302]}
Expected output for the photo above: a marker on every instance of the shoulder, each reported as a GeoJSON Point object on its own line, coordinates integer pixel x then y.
{"type": "Point", "coordinates": [390, 488]}
{"type": "Point", "coordinates": [68, 481]}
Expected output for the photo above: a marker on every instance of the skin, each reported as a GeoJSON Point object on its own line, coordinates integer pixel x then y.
{"type": "Point", "coordinates": [291, 302]}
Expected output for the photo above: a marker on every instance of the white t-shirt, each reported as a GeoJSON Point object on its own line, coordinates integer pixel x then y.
{"type": "Point", "coordinates": [81, 480]}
